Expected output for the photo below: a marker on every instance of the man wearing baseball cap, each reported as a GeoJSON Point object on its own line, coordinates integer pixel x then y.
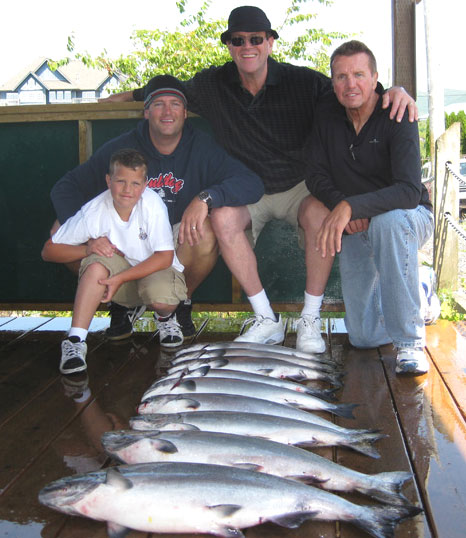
{"type": "Point", "coordinates": [190, 172]}
{"type": "Point", "coordinates": [262, 112]}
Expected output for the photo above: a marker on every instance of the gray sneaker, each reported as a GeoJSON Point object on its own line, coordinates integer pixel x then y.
{"type": "Point", "coordinates": [412, 361]}
{"type": "Point", "coordinates": [73, 355]}
{"type": "Point", "coordinates": [263, 330]}
{"type": "Point", "coordinates": [170, 333]}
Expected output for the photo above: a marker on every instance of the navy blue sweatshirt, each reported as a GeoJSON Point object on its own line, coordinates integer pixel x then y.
{"type": "Point", "coordinates": [197, 164]}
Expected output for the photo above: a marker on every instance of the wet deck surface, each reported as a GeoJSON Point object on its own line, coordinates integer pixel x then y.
{"type": "Point", "coordinates": [45, 434]}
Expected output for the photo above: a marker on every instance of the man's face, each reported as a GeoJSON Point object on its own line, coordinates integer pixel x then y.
{"type": "Point", "coordinates": [166, 115]}
{"type": "Point", "coordinates": [353, 82]}
{"type": "Point", "coordinates": [126, 186]}
{"type": "Point", "coordinates": [250, 58]}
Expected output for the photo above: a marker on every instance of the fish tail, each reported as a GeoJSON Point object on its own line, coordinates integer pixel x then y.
{"type": "Point", "coordinates": [344, 410]}
{"type": "Point", "coordinates": [386, 487]}
{"type": "Point", "coordinates": [363, 443]}
{"type": "Point", "coordinates": [380, 521]}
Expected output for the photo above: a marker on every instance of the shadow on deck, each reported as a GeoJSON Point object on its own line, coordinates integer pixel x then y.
{"type": "Point", "coordinates": [50, 429]}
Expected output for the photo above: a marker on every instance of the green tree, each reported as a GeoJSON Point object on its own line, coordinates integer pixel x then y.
{"type": "Point", "coordinates": [195, 45]}
{"type": "Point", "coordinates": [450, 119]}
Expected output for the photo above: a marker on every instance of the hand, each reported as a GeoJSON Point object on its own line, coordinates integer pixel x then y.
{"type": "Point", "coordinates": [357, 225]}
{"type": "Point", "coordinates": [192, 223]}
{"type": "Point", "coordinates": [101, 246]}
{"type": "Point", "coordinates": [328, 239]}
{"type": "Point", "coordinates": [112, 284]}
{"type": "Point", "coordinates": [400, 99]}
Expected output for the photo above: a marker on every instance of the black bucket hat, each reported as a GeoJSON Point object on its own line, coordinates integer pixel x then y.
{"type": "Point", "coordinates": [247, 19]}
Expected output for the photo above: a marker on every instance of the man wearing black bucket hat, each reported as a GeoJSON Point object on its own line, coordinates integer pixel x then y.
{"type": "Point", "coordinates": [262, 112]}
{"type": "Point", "coordinates": [190, 172]}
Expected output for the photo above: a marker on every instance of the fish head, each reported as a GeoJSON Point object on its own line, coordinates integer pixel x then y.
{"type": "Point", "coordinates": [63, 494]}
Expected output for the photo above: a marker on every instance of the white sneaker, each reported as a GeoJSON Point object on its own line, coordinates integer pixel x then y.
{"type": "Point", "coordinates": [170, 334]}
{"type": "Point", "coordinates": [73, 355]}
{"type": "Point", "coordinates": [309, 338]}
{"type": "Point", "coordinates": [411, 361]}
{"type": "Point", "coordinates": [263, 331]}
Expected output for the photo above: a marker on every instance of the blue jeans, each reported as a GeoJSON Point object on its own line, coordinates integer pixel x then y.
{"type": "Point", "coordinates": [380, 279]}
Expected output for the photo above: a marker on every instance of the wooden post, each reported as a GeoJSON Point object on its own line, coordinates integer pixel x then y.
{"type": "Point", "coordinates": [446, 201]}
{"type": "Point", "coordinates": [404, 45]}
{"type": "Point", "coordinates": [85, 140]}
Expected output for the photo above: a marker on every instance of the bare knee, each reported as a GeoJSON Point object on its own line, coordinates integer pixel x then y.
{"type": "Point", "coordinates": [312, 213]}
{"type": "Point", "coordinates": [228, 221]}
{"type": "Point", "coordinates": [96, 270]}
{"type": "Point", "coordinates": [163, 309]}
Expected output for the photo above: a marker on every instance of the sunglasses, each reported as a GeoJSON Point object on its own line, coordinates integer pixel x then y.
{"type": "Point", "coordinates": [253, 40]}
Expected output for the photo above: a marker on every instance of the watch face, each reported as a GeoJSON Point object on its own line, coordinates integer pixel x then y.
{"type": "Point", "coordinates": [205, 197]}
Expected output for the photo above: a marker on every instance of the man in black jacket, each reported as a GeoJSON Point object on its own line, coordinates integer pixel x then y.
{"type": "Point", "coordinates": [371, 207]}
{"type": "Point", "coordinates": [193, 175]}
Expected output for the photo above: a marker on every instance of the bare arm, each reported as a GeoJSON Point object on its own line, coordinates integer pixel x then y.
{"type": "Point", "coordinates": [122, 97]}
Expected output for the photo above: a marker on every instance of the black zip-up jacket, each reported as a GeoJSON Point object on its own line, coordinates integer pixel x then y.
{"type": "Point", "coordinates": [197, 164]}
{"type": "Point", "coordinates": [375, 171]}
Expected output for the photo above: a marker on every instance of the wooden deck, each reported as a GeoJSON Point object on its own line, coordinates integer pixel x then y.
{"type": "Point", "coordinates": [45, 435]}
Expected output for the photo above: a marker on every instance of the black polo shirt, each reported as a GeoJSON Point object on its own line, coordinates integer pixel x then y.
{"type": "Point", "coordinates": [268, 132]}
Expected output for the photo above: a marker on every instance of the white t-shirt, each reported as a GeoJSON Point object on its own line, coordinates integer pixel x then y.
{"type": "Point", "coordinates": [147, 231]}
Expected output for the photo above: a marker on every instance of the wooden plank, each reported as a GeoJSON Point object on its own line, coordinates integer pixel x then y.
{"type": "Point", "coordinates": [365, 385]}
{"type": "Point", "coordinates": [435, 432]}
{"type": "Point", "coordinates": [448, 346]}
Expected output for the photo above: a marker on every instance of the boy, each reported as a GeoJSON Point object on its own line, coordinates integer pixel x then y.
{"type": "Point", "coordinates": [125, 242]}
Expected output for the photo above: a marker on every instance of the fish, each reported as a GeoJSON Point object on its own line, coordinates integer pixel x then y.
{"type": "Point", "coordinates": [185, 403]}
{"type": "Point", "coordinates": [264, 366]}
{"type": "Point", "coordinates": [252, 453]}
{"type": "Point", "coordinates": [247, 388]}
{"type": "Point", "coordinates": [283, 430]}
{"type": "Point", "coordinates": [265, 348]}
{"type": "Point", "coordinates": [314, 362]}
{"type": "Point", "coordinates": [246, 376]}
{"type": "Point", "coordinates": [205, 498]}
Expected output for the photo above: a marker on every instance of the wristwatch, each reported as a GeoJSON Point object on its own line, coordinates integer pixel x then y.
{"type": "Point", "coordinates": [204, 196]}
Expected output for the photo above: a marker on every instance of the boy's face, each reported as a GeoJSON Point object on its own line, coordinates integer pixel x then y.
{"type": "Point", "coordinates": [126, 186]}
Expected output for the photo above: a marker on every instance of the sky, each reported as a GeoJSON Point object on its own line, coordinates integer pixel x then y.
{"type": "Point", "coordinates": [30, 30]}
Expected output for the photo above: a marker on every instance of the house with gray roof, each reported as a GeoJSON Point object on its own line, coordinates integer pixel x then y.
{"type": "Point", "coordinates": [38, 84]}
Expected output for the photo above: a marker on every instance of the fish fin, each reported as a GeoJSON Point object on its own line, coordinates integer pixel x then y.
{"type": "Point", "coordinates": [225, 510]}
{"type": "Point", "coordinates": [162, 445]}
{"type": "Point", "coordinates": [344, 410]}
{"type": "Point", "coordinates": [201, 372]}
{"type": "Point", "coordinates": [248, 466]}
{"type": "Point", "coordinates": [294, 519]}
{"type": "Point", "coordinates": [363, 443]}
{"type": "Point", "coordinates": [189, 403]}
{"type": "Point", "coordinates": [265, 371]}
{"type": "Point", "coordinates": [219, 363]}
{"type": "Point", "coordinates": [116, 479]}
{"type": "Point", "coordinates": [116, 531]}
{"type": "Point", "coordinates": [308, 479]}
{"type": "Point", "coordinates": [187, 384]}
{"type": "Point", "coordinates": [380, 521]}
{"type": "Point", "coordinates": [386, 487]}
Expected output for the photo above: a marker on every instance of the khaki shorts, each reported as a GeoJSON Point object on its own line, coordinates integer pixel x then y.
{"type": "Point", "coordinates": [167, 286]}
{"type": "Point", "coordinates": [280, 206]}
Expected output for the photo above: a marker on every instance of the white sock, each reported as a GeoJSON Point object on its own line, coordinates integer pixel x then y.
{"type": "Point", "coordinates": [312, 304]}
{"type": "Point", "coordinates": [77, 331]}
{"type": "Point", "coordinates": [261, 305]}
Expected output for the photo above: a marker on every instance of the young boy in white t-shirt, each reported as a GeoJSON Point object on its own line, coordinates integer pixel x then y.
{"type": "Point", "coordinates": [125, 242]}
